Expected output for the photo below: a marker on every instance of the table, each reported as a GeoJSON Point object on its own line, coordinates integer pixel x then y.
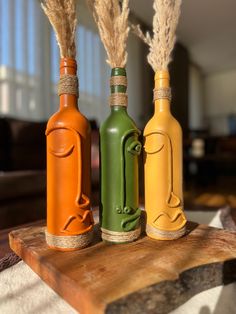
{"type": "Point", "coordinates": [4, 238]}
{"type": "Point", "coordinates": [145, 276]}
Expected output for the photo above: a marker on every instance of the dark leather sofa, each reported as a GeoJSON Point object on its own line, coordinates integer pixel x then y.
{"type": "Point", "coordinates": [22, 171]}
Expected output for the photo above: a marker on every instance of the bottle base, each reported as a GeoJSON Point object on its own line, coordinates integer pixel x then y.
{"type": "Point", "coordinates": [120, 237]}
{"type": "Point", "coordinates": [68, 243]}
{"type": "Point", "coordinates": [158, 234]}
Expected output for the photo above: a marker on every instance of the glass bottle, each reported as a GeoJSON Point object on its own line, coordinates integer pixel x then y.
{"type": "Point", "coordinates": [69, 218]}
{"type": "Point", "coordinates": [163, 167]}
{"type": "Point", "coordinates": [119, 150]}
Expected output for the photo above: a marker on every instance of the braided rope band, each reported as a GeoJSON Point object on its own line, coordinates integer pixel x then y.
{"type": "Point", "coordinates": [69, 242]}
{"type": "Point", "coordinates": [120, 99]}
{"type": "Point", "coordinates": [120, 237]}
{"type": "Point", "coordinates": [8, 260]}
{"type": "Point", "coordinates": [118, 80]}
{"type": "Point", "coordinates": [163, 234]}
{"type": "Point", "coordinates": [68, 84]}
{"type": "Point", "coordinates": [162, 93]}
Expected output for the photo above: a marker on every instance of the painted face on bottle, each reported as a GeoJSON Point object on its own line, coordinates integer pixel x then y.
{"type": "Point", "coordinates": [131, 149]}
{"type": "Point", "coordinates": [166, 205]}
{"type": "Point", "coordinates": [64, 157]}
{"type": "Point", "coordinates": [61, 143]}
{"type": "Point", "coordinates": [154, 143]}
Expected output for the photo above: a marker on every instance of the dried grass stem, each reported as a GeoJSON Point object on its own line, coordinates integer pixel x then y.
{"type": "Point", "coordinates": [162, 42]}
{"type": "Point", "coordinates": [62, 16]}
{"type": "Point", "coordinates": [112, 21]}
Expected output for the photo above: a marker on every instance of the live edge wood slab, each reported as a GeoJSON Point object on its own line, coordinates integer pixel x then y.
{"type": "Point", "coordinates": [145, 276]}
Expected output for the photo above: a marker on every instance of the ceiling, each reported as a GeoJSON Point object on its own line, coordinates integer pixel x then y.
{"type": "Point", "coordinates": [206, 27]}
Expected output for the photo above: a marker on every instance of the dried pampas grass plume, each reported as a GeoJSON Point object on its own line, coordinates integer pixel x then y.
{"type": "Point", "coordinates": [112, 21]}
{"type": "Point", "coordinates": [62, 16]}
{"type": "Point", "coordinates": [165, 21]}
{"type": "Point", "coordinates": [139, 33]}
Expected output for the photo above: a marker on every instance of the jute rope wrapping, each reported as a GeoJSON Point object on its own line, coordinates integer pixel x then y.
{"type": "Point", "coordinates": [69, 242]}
{"type": "Point", "coordinates": [118, 98]}
{"type": "Point", "coordinates": [118, 80]}
{"type": "Point", "coordinates": [9, 260]}
{"type": "Point", "coordinates": [68, 84]}
{"type": "Point", "coordinates": [162, 93]}
{"type": "Point", "coordinates": [165, 234]}
{"type": "Point", "coordinates": [120, 237]}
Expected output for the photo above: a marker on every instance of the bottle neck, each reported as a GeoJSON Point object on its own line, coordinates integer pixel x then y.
{"type": "Point", "coordinates": [68, 101]}
{"type": "Point", "coordinates": [118, 109]}
{"type": "Point", "coordinates": [68, 66]}
{"type": "Point", "coordinates": [118, 85]}
{"type": "Point", "coordinates": [162, 86]}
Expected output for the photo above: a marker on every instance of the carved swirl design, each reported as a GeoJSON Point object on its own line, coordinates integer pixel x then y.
{"type": "Point", "coordinates": [172, 219]}
{"type": "Point", "coordinates": [130, 223]}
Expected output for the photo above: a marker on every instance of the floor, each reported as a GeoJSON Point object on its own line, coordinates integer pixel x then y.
{"type": "Point", "coordinates": [212, 196]}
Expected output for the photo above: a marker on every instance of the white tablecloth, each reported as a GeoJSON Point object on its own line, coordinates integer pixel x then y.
{"type": "Point", "coordinates": [23, 292]}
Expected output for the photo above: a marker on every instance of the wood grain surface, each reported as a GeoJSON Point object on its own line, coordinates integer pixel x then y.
{"type": "Point", "coordinates": [4, 241]}
{"type": "Point", "coordinates": [146, 276]}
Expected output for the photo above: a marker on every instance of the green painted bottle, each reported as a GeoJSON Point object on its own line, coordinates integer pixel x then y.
{"type": "Point", "coordinates": [120, 149]}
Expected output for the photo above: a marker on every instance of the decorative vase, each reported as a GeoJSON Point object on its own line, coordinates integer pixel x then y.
{"type": "Point", "coordinates": [163, 167]}
{"type": "Point", "coordinates": [69, 218]}
{"type": "Point", "coordinates": [120, 150]}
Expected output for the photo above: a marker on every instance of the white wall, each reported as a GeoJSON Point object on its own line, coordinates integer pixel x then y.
{"type": "Point", "coordinates": [220, 100]}
{"type": "Point", "coordinates": [212, 98]}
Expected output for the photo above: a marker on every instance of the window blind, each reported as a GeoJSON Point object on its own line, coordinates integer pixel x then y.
{"type": "Point", "coordinates": [29, 64]}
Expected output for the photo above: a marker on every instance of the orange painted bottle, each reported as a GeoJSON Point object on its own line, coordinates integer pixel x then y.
{"type": "Point", "coordinates": [69, 217]}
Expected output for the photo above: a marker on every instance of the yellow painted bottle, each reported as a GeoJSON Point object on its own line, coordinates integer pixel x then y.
{"type": "Point", "coordinates": [163, 167]}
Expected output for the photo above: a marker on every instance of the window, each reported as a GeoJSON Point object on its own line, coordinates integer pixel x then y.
{"type": "Point", "coordinates": [92, 70]}
{"type": "Point", "coordinates": [29, 65]}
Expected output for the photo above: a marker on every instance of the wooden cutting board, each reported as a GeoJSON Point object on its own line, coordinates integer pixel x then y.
{"type": "Point", "coordinates": [145, 276]}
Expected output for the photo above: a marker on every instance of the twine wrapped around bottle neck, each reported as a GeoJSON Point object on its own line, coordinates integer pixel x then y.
{"type": "Point", "coordinates": [118, 80]}
{"type": "Point", "coordinates": [68, 84]}
{"type": "Point", "coordinates": [118, 98]}
{"type": "Point", "coordinates": [162, 88]}
{"type": "Point", "coordinates": [162, 93]}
